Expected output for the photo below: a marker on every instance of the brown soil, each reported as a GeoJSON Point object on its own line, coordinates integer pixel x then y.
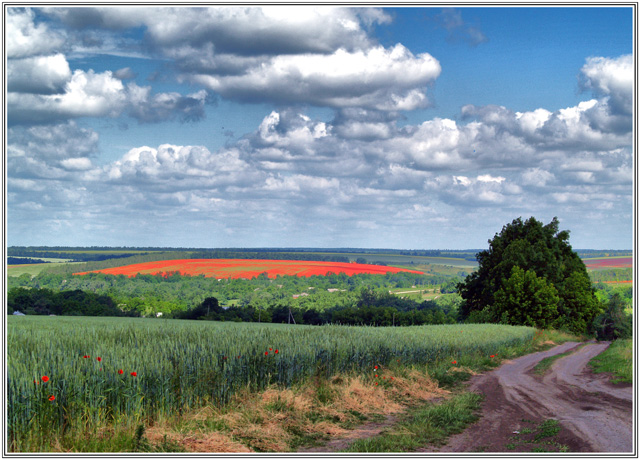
{"type": "Point", "coordinates": [594, 415]}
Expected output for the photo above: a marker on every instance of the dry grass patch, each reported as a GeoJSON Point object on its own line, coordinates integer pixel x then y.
{"type": "Point", "coordinates": [365, 398]}
{"type": "Point", "coordinates": [416, 386]}
{"type": "Point", "coordinates": [269, 436]}
{"type": "Point", "coordinates": [286, 398]}
{"type": "Point", "coordinates": [280, 420]}
{"type": "Point", "coordinates": [466, 369]}
{"type": "Point", "coordinates": [214, 442]}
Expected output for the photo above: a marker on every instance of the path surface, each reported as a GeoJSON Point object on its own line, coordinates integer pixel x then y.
{"type": "Point", "coordinates": [596, 416]}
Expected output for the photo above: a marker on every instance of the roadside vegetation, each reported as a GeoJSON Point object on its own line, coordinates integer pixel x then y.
{"type": "Point", "coordinates": [537, 437]}
{"type": "Point", "coordinates": [430, 424]}
{"type": "Point", "coordinates": [617, 360]}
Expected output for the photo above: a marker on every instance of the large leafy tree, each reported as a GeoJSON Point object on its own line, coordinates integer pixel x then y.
{"type": "Point", "coordinates": [526, 299]}
{"type": "Point", "coordinates": [545, 263]}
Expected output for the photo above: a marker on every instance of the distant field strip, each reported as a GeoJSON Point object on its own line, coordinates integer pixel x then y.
{"type": "Point", "coordinates": [34, 269]}
{"type": "Point", "coordinates": [402, 259]}
{"type": "Point", "coordinates": [100, 369]}
{"type": "Point", "coordinates": [247, 268]}
{"type": "Point", "coordinates": [608, 262]}
{"type": "Point", "coordinates": [102, 251]}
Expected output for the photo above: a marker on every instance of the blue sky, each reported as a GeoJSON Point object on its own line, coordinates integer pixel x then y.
{"type": "Point", "coordinates": [310, 126]}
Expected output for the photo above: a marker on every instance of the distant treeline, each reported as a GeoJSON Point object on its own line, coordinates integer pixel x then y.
{"type": "Point", "coordinates": [64, 303]}
{"type": "Point", "coordinates": [72, 256]}
{"type": "Point", "coordinates": [371, 309]}
{"type": "Point", "coordinates": [24, 250]}
{"type": "Point", "coordinates": [23, 261]}
{"type": "Point", "coordinates": [611, 274]}
{"type": "Point", "coordinates": [122, 249]}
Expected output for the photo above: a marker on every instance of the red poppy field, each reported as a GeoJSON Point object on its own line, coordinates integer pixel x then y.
{"type": "Point", "coordinates": [247, 268]}
{"type": "Point", "coordinates": [609, 262]}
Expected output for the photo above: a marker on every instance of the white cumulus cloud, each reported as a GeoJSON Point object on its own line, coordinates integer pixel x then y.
{"type": "Point", "coordinates": [377, 78]}
{"type": "Point", "coordinates": [25, 38]}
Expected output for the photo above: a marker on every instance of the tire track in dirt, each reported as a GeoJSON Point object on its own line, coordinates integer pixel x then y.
{"type": "Point", "coordinates": [596, 416]}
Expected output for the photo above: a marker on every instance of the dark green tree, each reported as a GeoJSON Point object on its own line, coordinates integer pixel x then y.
{"type": "Point", "coordinates": [614, 323]}
{"type": "Point", "coordinates": [526, 299]}
{"type": "Point", "coordinates": [545, 251]}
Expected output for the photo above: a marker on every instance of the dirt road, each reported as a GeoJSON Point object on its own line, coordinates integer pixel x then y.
{"type": "Point", "coordinates": [595, 415]}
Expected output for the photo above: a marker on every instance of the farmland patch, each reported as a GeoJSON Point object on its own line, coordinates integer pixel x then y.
{"type": "Point", "coordinates": [608, 262]}
{"type": "Point", "coordinates": [247, 268]}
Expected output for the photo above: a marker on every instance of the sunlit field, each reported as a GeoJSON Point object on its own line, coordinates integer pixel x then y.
{"type": "Point", "coordinates": [75, 373]}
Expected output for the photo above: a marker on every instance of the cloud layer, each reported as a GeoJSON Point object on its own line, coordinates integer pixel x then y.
{"type": "Point", "coordinates": [295, 180]}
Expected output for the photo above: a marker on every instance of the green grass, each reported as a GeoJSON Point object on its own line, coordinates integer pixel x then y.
{"type": "Point", "coordinates": [617, 359]}
{"type": "Point", "coordinates": [545, 364]}
{"type": "Point", "coordinates": [182, 365]}
{"type": "Point", "coordinates": [537, 437]}
{"type": "Point", "coordinates": [429, 424]}
{"type": "Point", "coordinates": [34, 269]}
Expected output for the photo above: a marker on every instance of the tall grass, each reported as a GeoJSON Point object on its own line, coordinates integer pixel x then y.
{"type": "Point", "coordinates": [181, 365]}
{"type": "Point", "coordinates": [429, 424]}
{"type": "Point", "coordinates": [617, 360]}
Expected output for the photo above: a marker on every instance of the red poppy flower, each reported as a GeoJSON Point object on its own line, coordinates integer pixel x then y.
{"type": "Point", "coordinates": [266, 353]}
{"type": "Point", "coordinates": [384, 377]}
{"type": "Point", "coordinates": [238, 357]}
{"type": "Point", "coordinates": [276, 352]}
{"type": "Point", "coordinates": [375, 367]}
{"type": "Point", "coordinates": [99, 358]}
{"type": "Point", "coordinates": [391, 378]}
{"type": "Point", "coordinates": [376, 383]}
{"type": "Point", "coordinates": [51, 398]}
{"type": "Point", "coordinates": [86, 356]}
{"type": "Point", "coordinates": [36, 382]}
{"type": "Point", "coordinates": [224, 357]}
{"type": "Point", "coordinates": [376, 375]}
{"type": "Point", "coordinates": [454, 362]}
{"type": "Point", "coordinates": [135, 374]}
{"type": "Point", "coordinates": [45, 378]}
{"type": "Point", "coordinates": [270, 349]}
{"type": "Point", "coordinates": [492, 356]}
{"type": "Point", "coordinates": [120, 371]}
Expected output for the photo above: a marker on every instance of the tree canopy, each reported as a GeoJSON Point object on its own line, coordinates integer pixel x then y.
{"type": "Point", "coordinates": [530, 275]}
